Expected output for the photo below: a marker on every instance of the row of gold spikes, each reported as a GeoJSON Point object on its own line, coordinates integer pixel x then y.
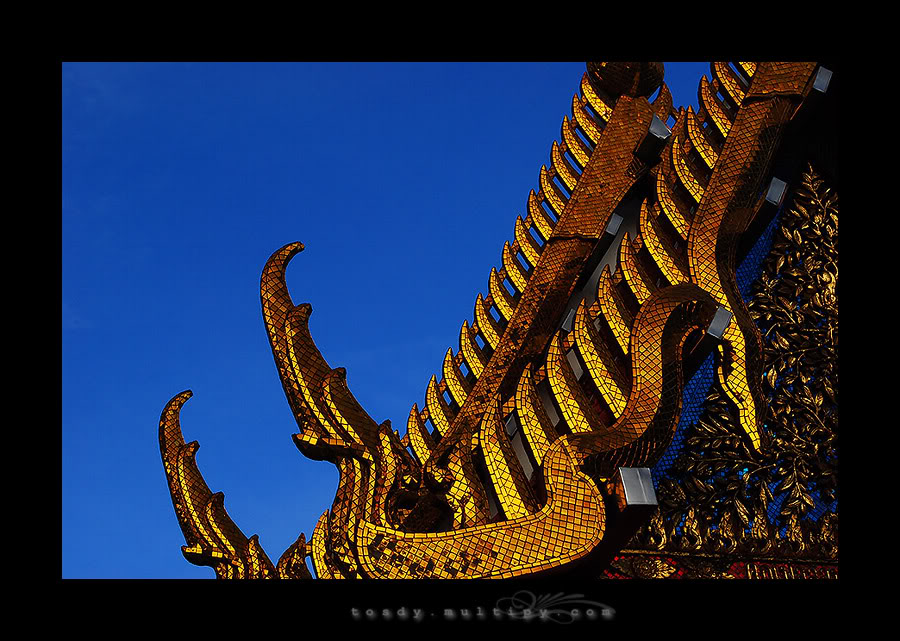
{"type": "Point", "coordinates": [483, 324]}
{"type": "Point", "coordinates": [577, 413]}
{"type": "Point", "coordinates": [690, 135]}
{"type": "Point", "coordinates": [671, 262]}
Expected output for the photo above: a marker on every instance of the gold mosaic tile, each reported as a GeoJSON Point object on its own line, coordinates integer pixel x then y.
{"type": "Point", "coordinates": [456, 501]}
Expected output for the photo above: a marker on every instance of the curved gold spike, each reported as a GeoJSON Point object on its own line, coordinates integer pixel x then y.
{"type": "Point", "coordinates": [539, 432]}
{"type": "Point", "coordinates": [309, 382]}
{"type": "Point", "coordinates": [486, 324]}
{"type": "Point", "coordinates": [574, 144]}
{"type": "Point", "coordinates": [584, 121]}
{"type": "Point", "coordinates": [728, 81]}
{"type": "Point", "coordinates": [212, 538]}
{"type": "Point", "coordinates": [292, 564]}
{"type": "Point", "coordinates": [436, 407]}
{"type": "Point", "coordinates": [420, 439]}
{"type": "Point", "coordinates": [698, 140]}
{"type": "Point", "coordinates": [500, 297]}
{"type": "Point", "coordinates": [576, 409]}
{"type": "Point", "coordinates": [276, 304]}
{"type": "Point", "coordinates": [287, 326]}
{"type": "Point", "coordinates": [254, 555]}
{"type": "Point", "coordinates": [539, 218]}
{"type": "Point", "coordinates": [595, 101]}
{"type": "Point", "coordinates": [507, 477]}
{"type": "Point", "coordinates": [628, 261]}
{"type": "Point", "coordinates": [685, 174]}
{"type": "Point", "coordinates": [600, 365]}
{"type": "Point", "coordinates": [562, 168]}
{"type": "Point", "coordinates": [713, 108]}
{"type": "Point", "coordinates": [527, 244]}
{"type": "Point", "coordinates": [474, 359]}
{"type": "Point", "coordinates": [514, 269]}
{"type": "Point", "coordinates": [662, 255]}
{"type": "Point", "coordinates": [670, 207]}
{"type": "Point", "coordinates": [663, 103]}
{"type": "Point", "coordinates": [552, 194]}
{"type": "Point", "coordinates": [455, 380]}
{"type": "Point", "coordinates": [610, 306]}
{"type": "Point", "coordinates": [749, 68]}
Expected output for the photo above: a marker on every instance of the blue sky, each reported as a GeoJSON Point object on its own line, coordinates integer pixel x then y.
{"type": "Point", "coordinates": [179, 180]}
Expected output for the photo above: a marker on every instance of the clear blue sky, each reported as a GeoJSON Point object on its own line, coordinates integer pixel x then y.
{"type": "Point", "coordinates": [179, 181]}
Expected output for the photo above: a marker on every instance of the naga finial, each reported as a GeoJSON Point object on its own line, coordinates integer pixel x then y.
{"type": "Point", "coordinates": [533, 450]}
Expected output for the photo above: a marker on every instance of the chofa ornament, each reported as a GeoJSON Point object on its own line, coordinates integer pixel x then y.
{"type": "Point", "coordinates": [529, 454]}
